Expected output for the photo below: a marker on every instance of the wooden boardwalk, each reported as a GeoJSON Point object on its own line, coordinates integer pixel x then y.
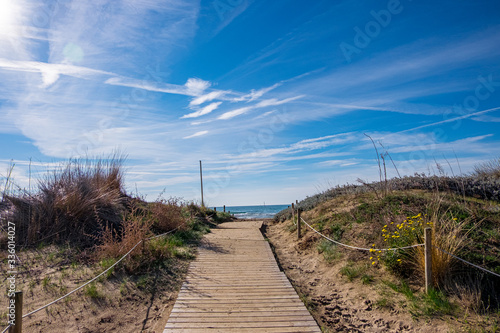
{"type": "Point", "coordinates": [235, 285]}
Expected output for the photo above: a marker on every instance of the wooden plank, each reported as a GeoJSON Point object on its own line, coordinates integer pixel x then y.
{"type": "Point", "coordinates": [246, 330]}
{"type": "Point", "coordinates": [264, 308]}
{"type": "Point", "coordinates": [240, 320]}
{"type": "Point", "coordinates": [242, 314]}
{"type": "Point", "coordinates": [258, 324]}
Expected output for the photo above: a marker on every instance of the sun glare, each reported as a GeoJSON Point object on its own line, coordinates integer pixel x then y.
{"type": "Point", "coordinates": [9, 16]}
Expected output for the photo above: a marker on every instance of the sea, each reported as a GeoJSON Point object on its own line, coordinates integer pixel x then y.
{"type": "Point", "coordinates": [254, 212]}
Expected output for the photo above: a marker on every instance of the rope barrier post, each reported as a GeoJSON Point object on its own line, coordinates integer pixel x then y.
{"type": "Point", "coordinates": [293, 213]}
{"type": "Point", "coordinates": [18, 313]}
{"type": "Point", "coordinates": [224, 208]}
{"type": "Point", "coordinates": [298, 223]}
{"type": "Point", "coordinates": [428, 259]}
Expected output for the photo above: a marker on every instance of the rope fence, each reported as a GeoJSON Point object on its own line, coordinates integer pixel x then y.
{"type": "Point", "coordinates": [428, 245]}
{"type": "Point", "coordinates": [98, 276]}
{"type": "Point", "coordinates": [355, 247]}
{"type": "Point", "coordinates": [465, 261]}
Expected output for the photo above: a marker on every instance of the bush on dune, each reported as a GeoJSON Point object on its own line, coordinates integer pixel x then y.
{"type": "Point", "coordinates": [72, 202]}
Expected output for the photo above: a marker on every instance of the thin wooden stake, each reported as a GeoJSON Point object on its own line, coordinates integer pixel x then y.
{"type": "Point", "coordinates": [224, 208]}
{"type": "Point", "coordinates": [428, 259]}
{"type": "Point", "coordinates": [201, 181]}
{"type": "Point", "coordinates": [298, 223]}
{"type": "Point", "coordinates": [18, 314]}
{"type": "Point", "coordinates": [293, 212]}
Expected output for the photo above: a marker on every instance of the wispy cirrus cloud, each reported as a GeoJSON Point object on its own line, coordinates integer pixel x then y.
{"type": "Point", "coordinates": [193, 87]}
{"type": "Point", "coordinates": [207, 97]}
{"type": "Point", "coordinates": [203, 111]}
{"type": "Point", "coordinates": [256, 94]}
{"type": "Point", "coordinates": [50, 72]}
{"type": "Point", "coordinates": [261, 104]}
{"type": "Point", "coordinates": [197, 134]}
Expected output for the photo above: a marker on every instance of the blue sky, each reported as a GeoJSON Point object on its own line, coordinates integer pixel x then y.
{"type": "Point", "coordinates": [273, 96]}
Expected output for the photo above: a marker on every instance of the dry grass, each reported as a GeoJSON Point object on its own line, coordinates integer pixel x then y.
{"type": "Point", "coordinates": [114, 243]}
{"type": "Point", "coordinates": [167, 214]}
{"type": "Point", "coordinates": [71, 201]}
{"type": "Point", "coordinates": [488, 169]}
{"type": "Point", "coordinates": [449, 235]}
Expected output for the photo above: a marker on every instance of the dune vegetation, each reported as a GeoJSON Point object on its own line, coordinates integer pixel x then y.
{"type": "Point", "coordinates": [78, 222]}
{"type": "Point", "coordinates": [463, 213]}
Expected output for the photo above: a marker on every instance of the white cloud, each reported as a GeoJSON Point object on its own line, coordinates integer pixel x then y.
{"type": "Point", "coordinates": [234, 113]}
{"type": "Point", "coordinates": [206, 110]}
{"type": "Point", "coordinates": [303, 145]}
{"type": "Point", "coordinates": [200, 133]}
{"type": "Point", "coordinates": [474, 114]}
{"type": "Point", "coordinates": [50, 72]}
{"type": "Point", "coordinates": [262, 104]}
{"type": "Point", "coordinates": [207, 97]}
{"type": "Point", "coordinates": [342, 163]}
{"type": "Point", "coordinates": [256, 94]}
{"type": "Point", "coordinates": [196, 86]}
{"type": "Point", "coordinates": [466, 144]}
{"type": "Point", "coordinates": [148, 85]}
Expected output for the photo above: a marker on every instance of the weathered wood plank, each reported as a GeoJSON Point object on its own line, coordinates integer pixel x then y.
{"type": "Point", "coordinates": [246, 330]}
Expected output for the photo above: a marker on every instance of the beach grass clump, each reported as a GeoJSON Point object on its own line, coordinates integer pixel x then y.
{"type": "Point", "coordinates": [329, 251]}
{"type": "Point", "coordinates": [352, 270]}
{"type": "Point", "coordinates": [115, 242]}
{"type": "Point", "coordinates": [489, 169]}
{"type": "Point", "coordinates": [71, 201]}
{"type": "Point", "coordinates": [168, 214]}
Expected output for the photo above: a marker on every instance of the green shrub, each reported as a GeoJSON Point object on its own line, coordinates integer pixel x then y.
{"type": "Point", "coordinates": [92, 292]}
{"type": "Point", "coordinates": [329, 250]}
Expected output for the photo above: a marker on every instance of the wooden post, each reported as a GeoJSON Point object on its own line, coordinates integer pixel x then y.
{"type": "Point", "coordinates": [293, 212]}
{"type": "Point", "coordinates": [224, 208]}
{"type": "Point", "coordinates": [201, 181]}
{"type": "Point", "coordinates": [298, 223]}
{"type": "Point", "coordinates": [428, 259]}
{"type": "Point", "coordinates": [18, 299]}
{"type": "Point", "coordinates": [215, 209]}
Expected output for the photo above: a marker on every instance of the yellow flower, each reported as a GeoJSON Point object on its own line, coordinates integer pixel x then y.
{"type": "Point", "coordinates": [373, 263]}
